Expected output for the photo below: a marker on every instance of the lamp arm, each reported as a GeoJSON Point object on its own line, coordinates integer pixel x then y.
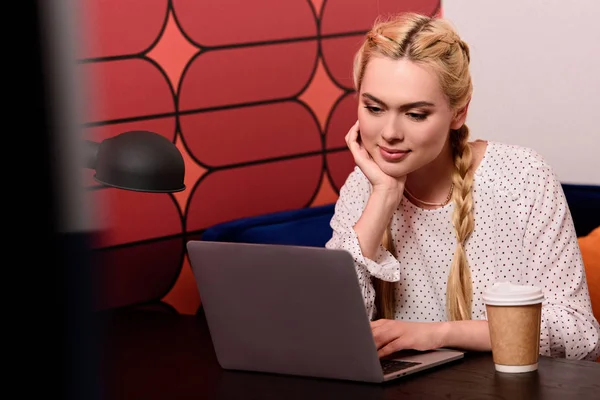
{"type": "Point", "coordinates": [90, 153]}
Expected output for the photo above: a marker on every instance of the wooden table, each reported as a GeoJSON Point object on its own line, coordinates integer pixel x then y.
{"type": "Point", "coordinates": [160, 355]}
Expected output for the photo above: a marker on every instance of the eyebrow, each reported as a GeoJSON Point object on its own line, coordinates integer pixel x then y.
{"type": "Point", "coordinates": [403, 107]}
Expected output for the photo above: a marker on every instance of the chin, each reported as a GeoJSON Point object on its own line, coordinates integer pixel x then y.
{"type": "Point", "coordinates": [396, 170]}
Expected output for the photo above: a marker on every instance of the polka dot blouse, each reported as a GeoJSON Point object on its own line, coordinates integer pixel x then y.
{"type": "Point", "coordinates": [523, 234]}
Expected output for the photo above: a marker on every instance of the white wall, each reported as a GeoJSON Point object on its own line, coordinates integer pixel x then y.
{"type": "Point", "coordinates": [536, 76]}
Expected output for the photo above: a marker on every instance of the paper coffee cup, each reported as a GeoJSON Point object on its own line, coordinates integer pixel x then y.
{"type": "Point", "coordinates": [514, 315]}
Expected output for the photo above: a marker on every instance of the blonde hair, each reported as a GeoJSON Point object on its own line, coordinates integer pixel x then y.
{"type": "Point", "coordinates": [432, 42]}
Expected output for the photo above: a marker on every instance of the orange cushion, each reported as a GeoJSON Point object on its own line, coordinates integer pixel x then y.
{"type": "Point", "coordinates": [590, 252]}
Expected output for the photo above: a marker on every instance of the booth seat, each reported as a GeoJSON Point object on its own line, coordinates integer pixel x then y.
{"type": "Point", "coordinates": [301, 227]}
{"type": "Point", "coordinates": [310, 226]}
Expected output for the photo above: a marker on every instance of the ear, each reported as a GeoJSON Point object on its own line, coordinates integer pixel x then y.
{"type": "Point", "coordinates": [461, 116]}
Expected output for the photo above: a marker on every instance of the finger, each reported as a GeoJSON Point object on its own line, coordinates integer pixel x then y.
{"type": "Point", "coordinates": [378, 322]}
{"type": "Point", "coordinates": [360, 154]}
{"type": "Point", "coordinates": [352, 135]}
{"type": "Point", "coordinates": [383, 335]}
{"type": "Point", "coordinates": [391, 347]}
{"type": "Point", "coordinates": [352, 142]}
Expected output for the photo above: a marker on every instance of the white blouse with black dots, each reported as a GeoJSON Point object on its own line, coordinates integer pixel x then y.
{"type": "Point", "coordinates": [523, 233]}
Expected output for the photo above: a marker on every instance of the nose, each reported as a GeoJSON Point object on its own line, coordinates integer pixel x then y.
{"type": "Point", "coordinates": [392, 131]}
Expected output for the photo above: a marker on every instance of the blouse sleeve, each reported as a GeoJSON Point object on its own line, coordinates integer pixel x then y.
{"type": "Point", "coordinates": [349, 207]}
{"type": "Point", "coordinates": [554, 263]}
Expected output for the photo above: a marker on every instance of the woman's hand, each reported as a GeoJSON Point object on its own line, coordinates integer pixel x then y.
{"type": "Point", "coordinates": [379, 179]}
{"type": "Point", "coordinates": [391, 335]}
{"type": "Point", "coordinates": [383, 201]}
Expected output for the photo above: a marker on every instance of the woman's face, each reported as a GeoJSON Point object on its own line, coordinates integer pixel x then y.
{"type": "Point", "coordinates": [404, 117]}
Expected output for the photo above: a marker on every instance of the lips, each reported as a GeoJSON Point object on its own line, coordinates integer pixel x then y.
{"type": "Point", "coordinates": [393, 151]}
{"type": "Point", "coordinates": [393, 154]}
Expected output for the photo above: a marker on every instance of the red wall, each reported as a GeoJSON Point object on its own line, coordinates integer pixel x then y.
{"type": "Point", "coordinates": [257, 95]}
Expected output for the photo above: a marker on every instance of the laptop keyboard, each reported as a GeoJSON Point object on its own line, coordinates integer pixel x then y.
{"type": "Point", "coordinates": [390, 366]}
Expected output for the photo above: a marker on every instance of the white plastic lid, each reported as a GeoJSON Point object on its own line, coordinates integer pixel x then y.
{"type": "Point", "coordinates": [509, 294]}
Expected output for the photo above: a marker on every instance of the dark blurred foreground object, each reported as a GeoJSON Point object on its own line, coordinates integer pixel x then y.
{"type": "Point", "coordinates": [141, 161]}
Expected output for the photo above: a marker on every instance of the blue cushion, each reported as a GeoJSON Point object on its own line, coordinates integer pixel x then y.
{"type": "Point", "coordinates": [302, 227]}
{"type": "Point", "coordinates": [584, 203]}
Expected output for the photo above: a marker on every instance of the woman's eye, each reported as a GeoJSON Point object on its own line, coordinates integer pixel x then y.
{"type": "Point", "coordinates": [374, 109]}
{"type": "Point", "coordinates": [417, 116]}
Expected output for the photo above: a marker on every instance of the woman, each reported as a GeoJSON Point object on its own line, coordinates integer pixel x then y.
{"type": "Point", "coordinates": [432, 219]}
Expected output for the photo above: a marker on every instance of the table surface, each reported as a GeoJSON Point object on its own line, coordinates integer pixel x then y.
{"type": "Point", "coordinates": [149, 354]}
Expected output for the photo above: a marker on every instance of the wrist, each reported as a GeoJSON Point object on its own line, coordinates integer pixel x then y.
{"type": "Point", "coordinates": [390, 196]}
{"type": "Point", "coordinates": [445, 334]}
{"type": "Point", "coordinates": [466, 335]}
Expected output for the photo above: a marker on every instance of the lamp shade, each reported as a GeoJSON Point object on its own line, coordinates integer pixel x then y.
{"type": "Point", "coordinates": [137, 160]}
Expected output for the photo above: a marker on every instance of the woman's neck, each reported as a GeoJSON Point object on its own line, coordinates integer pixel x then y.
{"type": "Point", "coordinates": [432, 182]}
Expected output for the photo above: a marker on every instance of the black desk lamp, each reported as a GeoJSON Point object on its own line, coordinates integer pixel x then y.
{"type": "Point", "coordinates": [137, 160]}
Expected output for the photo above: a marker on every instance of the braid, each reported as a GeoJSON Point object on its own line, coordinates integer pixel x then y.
{"type": "Point", "coordinates": [459, 292]}
{"type": "Point", "coordinates": [385, 299]}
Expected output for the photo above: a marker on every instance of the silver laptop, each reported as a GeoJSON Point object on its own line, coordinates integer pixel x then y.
{"type": "Point", "coordinates": [293, 310]}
